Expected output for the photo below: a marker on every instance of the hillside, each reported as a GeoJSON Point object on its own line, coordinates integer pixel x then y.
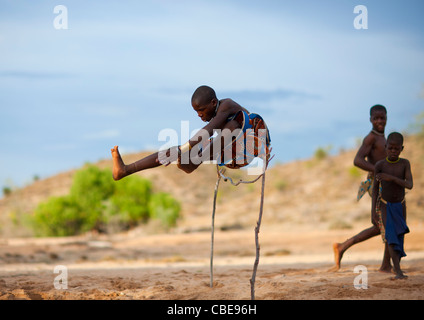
{"type": "Point", "coordinates": [319, 193]}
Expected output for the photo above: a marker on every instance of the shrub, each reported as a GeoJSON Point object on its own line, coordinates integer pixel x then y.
{"type": "Point", "coordinates": [281, 185]}
{"type": "Point", "coordinates": [59, 216]}
{"type": "Point", "coordinates": [91, 187]}
{"type": "Point", "coordinates": [354, 172]}
{"type": "Point", "coordinates": [130, 201]}
{"type": "Point", "coordinates": [96, 202]}
{"type": "Point", "coordinates": [7, 191]}
{"type": "Point", "coordinates": [322, 153]}
{"type": "Point", "coordinates": [164, 207]}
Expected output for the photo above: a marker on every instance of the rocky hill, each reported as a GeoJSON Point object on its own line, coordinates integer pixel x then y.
{"type": "Point", "coordinates": [317, 193]}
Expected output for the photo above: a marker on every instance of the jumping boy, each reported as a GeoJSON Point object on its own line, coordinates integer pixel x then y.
{"type": "Point", "coordinates": [371, 151]}
{"type": "Point", "coordinates": [394, 175]}
{"type": "Point", "coordinates": [241, 136]}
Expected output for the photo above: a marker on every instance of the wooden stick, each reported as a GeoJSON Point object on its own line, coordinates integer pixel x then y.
{"type": "Point", "coordinates": [213, 228]}
{"type": "Point", "coordinates": [258, 226]}
{"type": "Point", "coordinates": [255, 267]}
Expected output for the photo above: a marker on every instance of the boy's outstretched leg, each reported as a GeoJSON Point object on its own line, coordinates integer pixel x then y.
{"type": "Point", "coordinates": [340, 248]}
{"type": "Point", "coordinates": [121, 170]}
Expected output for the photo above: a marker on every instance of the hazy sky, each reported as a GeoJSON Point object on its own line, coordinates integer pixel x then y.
{"type": "Point", "coordinates": [125, 70]}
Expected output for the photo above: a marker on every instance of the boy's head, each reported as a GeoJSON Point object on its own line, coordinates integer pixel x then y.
{"type": "Point", "coordinates": [378, 107]}
{"type": "Point", "coordinates": [394, 146]}
{"type": "Point", "coordinates": [378, 117]}
{"type": "Point", "coordinates": [204, 102]}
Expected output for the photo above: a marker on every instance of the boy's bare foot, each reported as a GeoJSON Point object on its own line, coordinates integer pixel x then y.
{"type": "Point", "coordinates": [337, 256]}
{"type": "Point", "coordinates": [385, 269]}
{"type": "Point", "coordinates": [118, 170]}
{"type": "Point", "coordinates": [400, 277]}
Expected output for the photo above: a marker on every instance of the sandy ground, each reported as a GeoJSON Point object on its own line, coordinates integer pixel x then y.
{"type": "Point", "coordinates": [294, 265]}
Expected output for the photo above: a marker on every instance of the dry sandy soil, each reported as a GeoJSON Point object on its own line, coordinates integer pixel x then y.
{"type": "Point", "coordinates": [293, 265]}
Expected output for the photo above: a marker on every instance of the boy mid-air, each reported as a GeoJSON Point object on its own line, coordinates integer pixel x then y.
{"type": "Point", "coordinates": [239, 137]}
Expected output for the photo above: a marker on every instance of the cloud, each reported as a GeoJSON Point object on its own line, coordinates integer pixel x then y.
{"type": "Point", "coordinates": [269, 95]}
{"type": "Point", "coordinates": [55, 147]}
{"type": "Point", "coordinates": [105, 134]}
{"type": "Point", "coordinates": [34, 75]}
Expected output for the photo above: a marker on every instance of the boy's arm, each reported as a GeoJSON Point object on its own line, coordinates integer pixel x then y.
{"type": "Point", "coordinates": [170, 155]}
{"type": "Point", "coordinates": [409, 183]}
{"type": "Point", "coordinates": [217, 122]}
{"type": "Point", "coordinates": [404, 183]}
{"type": "Point", "coordinates": [375, 192]}
{"type": "Point", "coordinates": [207, 131]}
{"type": "Point", "coordinates": [365, 149]}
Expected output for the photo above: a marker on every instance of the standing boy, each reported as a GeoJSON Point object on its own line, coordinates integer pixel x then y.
{"type": "Point", "coordinates": [394, 175]}
{"type": "Point", "coordinates": [371, 151]}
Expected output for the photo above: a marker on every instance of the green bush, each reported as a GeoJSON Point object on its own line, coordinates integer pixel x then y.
{"type": "Point", "coordinates": [322, 153]}
{"type": "Point", "coordinates": [7, 191]}
{"type": "Point", "coordinates": [58, 216]}
{"type": "Point", "coordinates": [354, 172]}
{"type": "Point", "coordinates": [91, 188]}
{"type": "Point", "coordinates": [281, 185]}
{"type": "Point", "coordinates": [96, 202]}
{"type": "Point", "coordinates": [130, 200]}
{"type": "Point", "coordinates": [164, 207]}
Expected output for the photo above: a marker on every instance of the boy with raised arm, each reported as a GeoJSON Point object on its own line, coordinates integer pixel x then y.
{"type": "Point", "coordinates": [371, 151]}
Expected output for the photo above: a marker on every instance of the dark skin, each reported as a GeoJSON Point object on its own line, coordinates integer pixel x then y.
{"type": "Point", "coordinates": [206, 112]}
{"type": "Point", "coordinates": [371, 151]}
{"type": "Point", "coordinates": [394, 178]}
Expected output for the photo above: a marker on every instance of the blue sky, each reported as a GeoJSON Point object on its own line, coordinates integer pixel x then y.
{"type": "Point", "coordinates": [125, 70]}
